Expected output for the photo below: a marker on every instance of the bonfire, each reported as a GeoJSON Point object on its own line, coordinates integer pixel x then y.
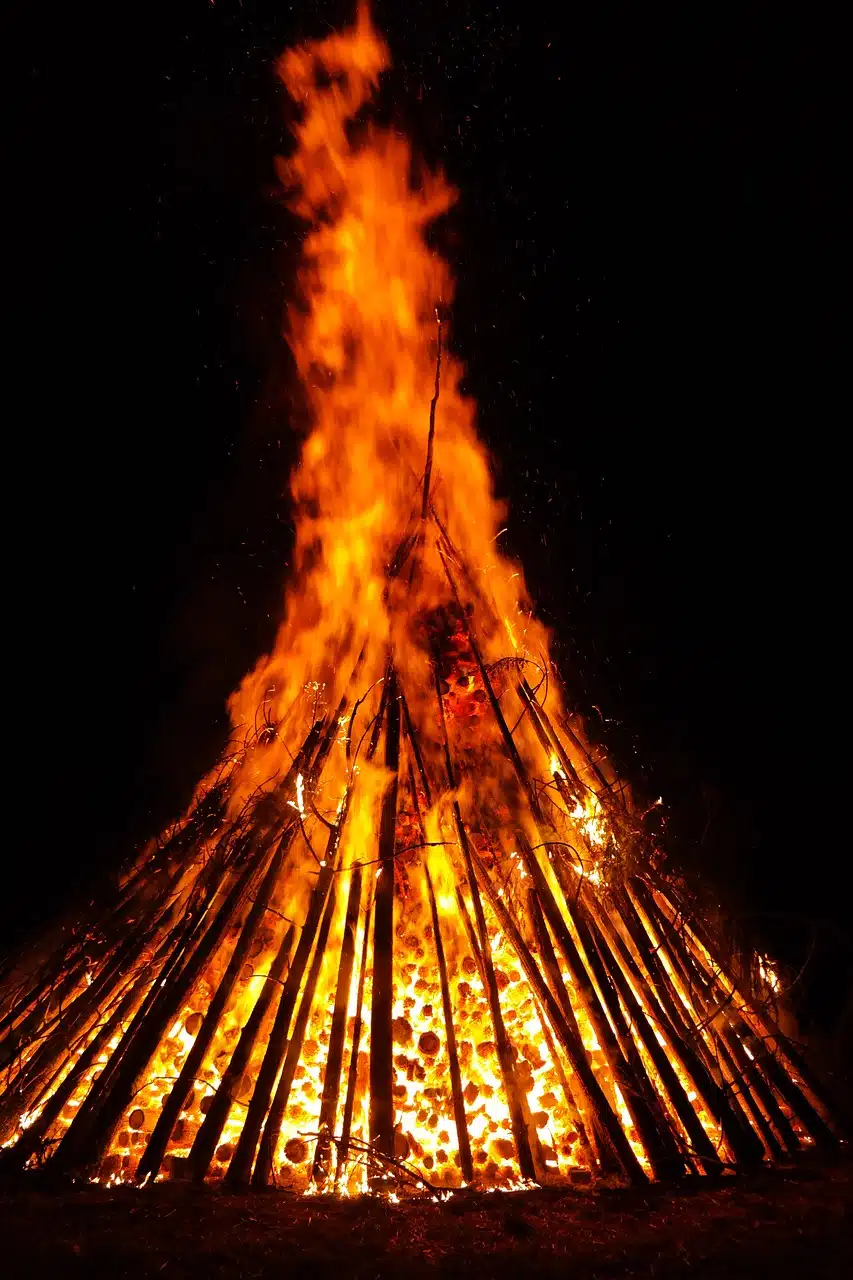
{"type": "Point", "coordinates": [412, 934]}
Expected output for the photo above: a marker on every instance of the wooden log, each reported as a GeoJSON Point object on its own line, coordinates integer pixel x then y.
{"type": "Point", "coordinates": [722, 1004]}
{"type": "Point", "coordinates": [240, 1168]}
{"type": "Point", "coordinates": [774, 1052]}
{"type": "Point", "coordinates": [597, 1152]}
{"type": "Point", "coordinates": [425, 502]}
{"type": "Point", "coordinates": [207, 1138]}
{"type": "Point", "coordinates": [79, 1131]}
{"type": "Point", "coordinates": [825, 1108]}
{"type": "Point", "coordinates": [264, 1165]}
{"type": "Point", "coordinates": [520, 1118]}
{"type": "Point", "coordinates": [337, 1035]}
{"type": "Point", "coordinates": [766, 1098]}
{"type": "Point", "coordinates": [739, 1136]}
{"type": "Point", "coordinates": [517, 1092]}
{"type": "Point", "coordinates": [629, 1084]}
{"type": "Point", "coordinates": [352, 1074]}
{"type": "Point", "coordinates": [30, 1017]}
{"type": "Point", "coordinates": [743, 1067]}
{"type": "Point", "coordinates": [464, 1142]}
{"type": "Point", "coordinates": [643, 1103]}
{"type": "Point", "coordinates": [380, 717]}
{"type": "Point", "coordinates": [87, 1147]}
{"type": "Point", "coordinates": [739, 1090]}
{"type": "Point", "coordinates": [780, 1079]}
{"type": "Point", "coordinates": [414, 742]}
{"type": "Point", "coordinates": [715, 1008]}
{"type": "Point", "coordinates": [596, 1102]}
{"type": "Point", "coordinates": [33, 1137]}
{"type": "Point", "coordinates": [593, 1158]}
{"type": "Point", "coordinates": [179, 1095]}
{"type": "Point", "coordinates": [43, 1018]}
{"type": "Point", "coordinates": [701, 1146]}
{"type": "Point", "coordinates": [517, 1111]}
{"type": "Point", "coordinates": [664, 1015]}
{"type": "Point", "coordinates": [381, 1040]}
{"type": "Point", "coordinates": [548, 737]}
{"type": "Point", "coordinates": [112, 925]}
{"type": "Point", "coordinates": [76, 1022]}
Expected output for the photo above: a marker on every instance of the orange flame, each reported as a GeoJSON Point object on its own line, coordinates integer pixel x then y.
{"type": "Point", "coordinates": [364, 336]}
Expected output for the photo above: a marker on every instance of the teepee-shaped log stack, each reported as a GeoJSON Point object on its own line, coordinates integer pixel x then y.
{"type": "Point", "coordinates": [411, 932]}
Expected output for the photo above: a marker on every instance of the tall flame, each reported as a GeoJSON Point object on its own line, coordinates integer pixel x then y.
{"type": "Point", "coordinates": [364, 334]}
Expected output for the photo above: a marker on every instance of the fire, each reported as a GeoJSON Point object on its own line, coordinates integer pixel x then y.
{"type": "Point", "coordinates": [387, 947]}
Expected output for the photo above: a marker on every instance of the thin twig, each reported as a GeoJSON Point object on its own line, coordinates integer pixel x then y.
{"type": "Point", "coordinates": [431, 437]}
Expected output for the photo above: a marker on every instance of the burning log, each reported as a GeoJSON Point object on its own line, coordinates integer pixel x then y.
{"type": "Point", "coordinates": [607, 1122]}
{"type": "Point", "coordinates": [763, 1058]}
{"type": "Point", "coordinates": [756, 1095]}
{"type": "Point", "coordinates": [585, 1126]}
{"type": "Point", "coordinates": [214, 1121]}
{"type": "Point", "coordinates": [352, 1075]}
{"type": "Point", "coordinates": [691, 1049]}
{"type": "Point", "coordinates": [381, 1044]}
{"type": "Point", "coordinates": [263, 1172]}
{"type": "Point", "coordinates": [152, 1158]}
{"type": "Point", "coordinates": [36, 1134]}
{"type": "Point", "coordinates": [334, 1060]}
{"type": "Point", "coordinates": [452, 1055]}
{"type": "Point", "coordinates": [240, 1168]}
{"type": "Point", "coordinates": [640, 1098]}
{"type": "Point", "coordinates": [701, 1145]}
{"type": "Point", "coordinates": [85, 1146]}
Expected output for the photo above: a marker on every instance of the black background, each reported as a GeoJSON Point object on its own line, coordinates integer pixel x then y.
{"type": "Point", "coordinates": [648, 247]}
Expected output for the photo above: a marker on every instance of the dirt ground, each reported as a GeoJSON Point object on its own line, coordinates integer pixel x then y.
{"type": "Point", "coordinates": [794, 1223]}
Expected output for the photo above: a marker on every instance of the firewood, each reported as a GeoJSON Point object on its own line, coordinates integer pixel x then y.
{"type": "Point", "coordinates": [334, 1059]}
{"type": "Point", "coordinates": [381, 1030]}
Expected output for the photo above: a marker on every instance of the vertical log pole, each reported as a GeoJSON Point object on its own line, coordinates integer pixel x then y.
{"type": "Point", "coordinates": [337, 1036]}
{"type": "Point", "coordinates": [352, 1074]}
{"type": "Point", "coordinates": [518, 1119]}
{"type": "Point", "coordinates": [464, 1141]}
{"type": "Point", "coordinates": [381, 1041]}
{"type": "Point", "coordinates": [624, 1077]}
{"type": "Point", "coordinates": [264, 1165]}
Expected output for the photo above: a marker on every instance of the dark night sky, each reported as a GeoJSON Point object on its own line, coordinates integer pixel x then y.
{"type": "Point", "coordinates": [647, 245]}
